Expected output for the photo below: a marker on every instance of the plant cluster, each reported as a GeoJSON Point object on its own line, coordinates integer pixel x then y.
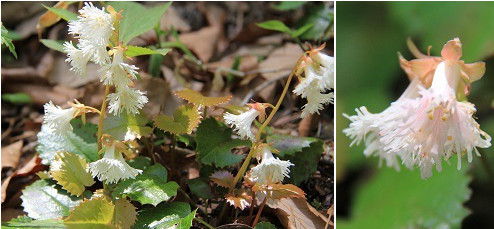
{"type": "Point", "coordinates": [97, 175]}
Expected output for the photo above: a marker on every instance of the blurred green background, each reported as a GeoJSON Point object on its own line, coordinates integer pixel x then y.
{"type": "Point", "coordinates": [368, 37]}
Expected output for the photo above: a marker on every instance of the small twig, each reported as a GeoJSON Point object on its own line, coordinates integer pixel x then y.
{"type": "Point", "coordinates": [259, 212]}
{"type": "Point", "coordinates": [150, 149]}
{"type": "Point", "coordinates": [251, 212]}
{"type": "Point", "coordinates": [204, 223]}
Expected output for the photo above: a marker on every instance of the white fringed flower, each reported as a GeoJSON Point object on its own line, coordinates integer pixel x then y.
{"type": "Point", "coordinates": [367, 126]}
{"type": "Point", "coordinates": [57, 120]}
{"type": "Point", "coordinates": [242, 122]}
{"type": "Point", "coordinates": [327, 69]}
{"type": "Point", "coordinates": [270, 169]}
{"type": "Point", "coordinates": [118, 73]}
{"type": "Point", "coordinates": [112, 167]}
{"type": "Point", "coordinates": [76, 58]}
{"type": "Point", "coordinates": [93, 29]}
{"type": "Point", "coordinates": [128, 99]}
{"type": "Point", "coordinates": [319, 78]}
{"type": "Point", "coordinates": [426, 125]}
{"type": "Point", "coordinates": [438, 126]}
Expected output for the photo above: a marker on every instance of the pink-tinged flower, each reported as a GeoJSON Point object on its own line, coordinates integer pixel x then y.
{"type": "Point", "coordinates": [438, 126]}
{"type": "Point", "coordinates": [318, 79]}
{"type": "Point", "coordinates": [243, 122]}
{"type": "Point", "coordinates": [427, 124]}
{"type": "Point", "coordinates": [425, 65]}
{"type": "Point", "coordinates": [367, 126]}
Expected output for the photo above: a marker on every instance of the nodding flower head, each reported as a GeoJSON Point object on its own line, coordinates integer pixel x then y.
{"type": "Point", "coordinates": [93, 28]}
{"type": "Point", "coordinates": [243, 122]}
{"type": "Point", "coordinates": [438, 126]}
{"type": "Point", "coordinates": [118, 73]}
{"type": "Point", "coordinates": [112, 167]}
{"type": "Point", "coordinates": [128, 99]}
{"type": "Point", "coordinates": [76, 58]}
{"type": "Point", "coordinates": [318, 78]}
{"type": "Point", "coordinates": [426, 124]}
{"type": "Point", "coordinates": [367, 126]}
{"type": "Point", "coordinates": [270, 169]}
{"type": "Point", "coordinates": [57, 120]}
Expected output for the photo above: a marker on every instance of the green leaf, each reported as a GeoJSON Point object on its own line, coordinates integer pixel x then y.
{"type": "Point", "coordinates": [125, 214]}
{"type": "Point", "coordinates": [63, 13]}
{"type": "Point", "coordinates": [411, 202]}
{"type": "Point", "coordinates": [198, 99]}
{"type": "Point", "coordinates": [186, 222]}
{"type": "Point", "coordinates": [214, 144]}
{"type": "Point", "coordinates": [148, 188]}
{"type": "Point", "coordinates": [265, 225]}
{"type": "Point", "coordinates": [200, 187]}
{"type": "Point", "coordinates": [50, 143]}
{"type": "Point", "coordinates": [139, 51]}
{"type": "Point", "coordinates": [165, 215]}
{"type": "Point", "coordinates": [140, 162]}
{"type": "Point", "coordinates": [302, 30]}
{"type": "Point", "coordinates": [7, 40]}
{"type": "Point", "coordinates": [43, 200]}
{"type": "Point", "coordinates": [185, 119]}
{"type": "Point", "coordinates": [69, 170]}
{"type": "Point", "coordinates": [288, 5]}
{"type": "Point", "coordinates": [17, 98]}
{"type": "Point", "coordinates": [321, 17]}
{"type": "Point", "coordinates": [85, 131]}
{"type": "Point", "coordinates": [127, 126]}
{"type": "Point", "coordinates": [24, 222]}
{"type": "Point", "coordinates": [275, 25]}
{"type": "Point", "coordinates": [55, 45]}
{"type": "Point", "coordinates": [289, 145]}
{"type": "Point", "coordinates": [137, 19]}
{"type": "Point", "coordinates": [305, 162]}
{"type": "Point", "coordinates": [94, 213]}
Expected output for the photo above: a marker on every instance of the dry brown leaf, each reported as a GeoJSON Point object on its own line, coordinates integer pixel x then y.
{"type": "Point", "coordinates": [11, 154]}
{"type": "Point", "coordinates": [281, 59]}
{"type": "Point", "coordinates": [172, 18]}
{"type": "Point", "coordinates": [203, 42]}
{"type": "Point", "coordinates": [297, 213]}
{"type": "Point", "coordinates": [62, 75]}
{"type": "Point", "coordinates": [32, 166]}
{"type": "Point", "coordinates": [222, 178]}
{"type": "Point", "coordinates": [49, 18]}
{"type": "Point", "coordinates": [5, 184]}
{"type": "Point", "coordinates": [247, 62]}
{"type": "Point", "coordinates": [304, 126]}
{"type": "Point", "coordinates": [42, 94]}
{"type": "Point", "coordinates": [11, 213]}
{"type": "Point", "coordinates": [239, 200]}
{"type": "Point", "coordinates": [157, 91]}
